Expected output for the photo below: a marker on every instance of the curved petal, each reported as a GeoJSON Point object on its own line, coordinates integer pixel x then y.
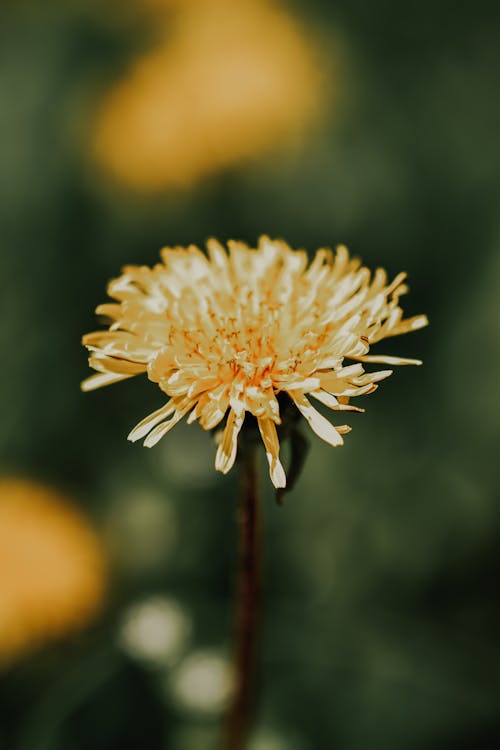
{"type": "Point", "coordinates": [226, 452]}
{"type": "Point", "coordinates": [101, 379]}
{"type": "Point", "coordinates": [165, 427]}
{"type": "Point", "coordinates": [333, 403]}
{"type": "Point", "coordinates": [270, 438]}
{"type": "Point", "coordinates": [321, 426]}
{"type": "Point", "coordinates": [382, 359]}
{"type": "Point", "coordinates": [147, 424]}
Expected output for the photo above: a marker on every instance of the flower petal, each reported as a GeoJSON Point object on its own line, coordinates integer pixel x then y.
{"type": "Point", "coordinates": [321, 426]}
{"type": "Point", "coordinates": [147, 424]}
{"type": "Point", "coordinates": [114, 364]}
{"type": "Point", "coordinates": [305, 384]}
{"type": "Point", "coordinates": [395, 283]}
{"type": "Point", "coordinates": [212, 412]}
{"type": "Point", "coordinates": [372, 377]}
{"type": "Point", "coordinates": [101, 379]}
{"type": "Point", "coordinates": [329, 400]}
{"type": "Point", "coordinates": [382, 359]}
{"type": "Point", "coordinates": [165, 427]}
{"type": "Point", "coordinates": [270, 438]}
{"type": "Point", "coordinates": [226, 452]}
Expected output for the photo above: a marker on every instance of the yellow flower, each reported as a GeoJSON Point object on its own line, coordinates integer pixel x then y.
{"type": "Point", "coordinates": [52, 571]}
{"type": "Point", "coordinates": [248, 330]}
{"type": "Point", "coordinates": [228, 82]}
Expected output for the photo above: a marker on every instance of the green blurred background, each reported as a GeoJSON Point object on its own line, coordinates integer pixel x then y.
{"type": "Point", "coordinates": [381, 607]}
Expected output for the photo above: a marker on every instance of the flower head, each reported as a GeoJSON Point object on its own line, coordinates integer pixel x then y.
{"type": "Point", "coordinates": [52, 568]}
{"type": "Point", "coordinates": [227, 83]}
{"type": "Point", "coordinates": [242, 329]}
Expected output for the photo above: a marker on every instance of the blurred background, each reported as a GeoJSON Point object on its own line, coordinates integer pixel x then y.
{"type": "Point", "coordinates": [128, 126]}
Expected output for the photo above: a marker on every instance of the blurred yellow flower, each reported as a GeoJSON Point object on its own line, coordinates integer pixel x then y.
{"type": "Point", "coordinates": [229, 81]}
{"type": "Point", "coordinates": [251, 330]}
{"type": "Point", "coordinates": [51, 567]}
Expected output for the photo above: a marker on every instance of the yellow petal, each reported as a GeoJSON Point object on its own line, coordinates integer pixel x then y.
{"type": "Point", "coordinates": [102, 379]}
{"type": "Point", "coordinates": [396, 282]}
{"type": "Point", "coordinates": [305, 384]}
{"type": "Point", "coordinates": [270, 438]}
{"type": "Point", "coordinates": [119, 366]}
{"type": "Point", "coordinates": [343, 428]}
{"type": "Point", "coordinates": [147, 424]}
{"type": "Point", "coordinates": [329, 400]}
{"type": "Point", "coordinates": [164, 427]}
{"type": "Point", "coordinates": [372, 377]}
{"type": "Point", "coordinates": [321, 426]}
{"type": "Point", "coordinates": [212, 413]}
{"type": "Point", "coordinates": [226, 452]}
{"type": "Point", "coordinates": [382, 359]}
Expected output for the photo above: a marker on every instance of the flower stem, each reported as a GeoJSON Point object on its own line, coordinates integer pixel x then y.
{"type": "Point", "coordinates": [247, 599]}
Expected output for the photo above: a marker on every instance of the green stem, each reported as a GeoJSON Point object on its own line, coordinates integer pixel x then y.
{"type": "Point", "coordinates": [247, 600]}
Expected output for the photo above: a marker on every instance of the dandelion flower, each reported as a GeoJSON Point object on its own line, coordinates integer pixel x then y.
{"type": "Point", "coordinates": [227, 83]}
{"type": "Point", "coordinates": [249, 331]}
{"type": "Point", "coordinates": [52, 573]}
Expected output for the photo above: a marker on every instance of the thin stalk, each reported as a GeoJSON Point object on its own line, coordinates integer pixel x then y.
{"type": "Point", "coordinates": [247, 600]}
